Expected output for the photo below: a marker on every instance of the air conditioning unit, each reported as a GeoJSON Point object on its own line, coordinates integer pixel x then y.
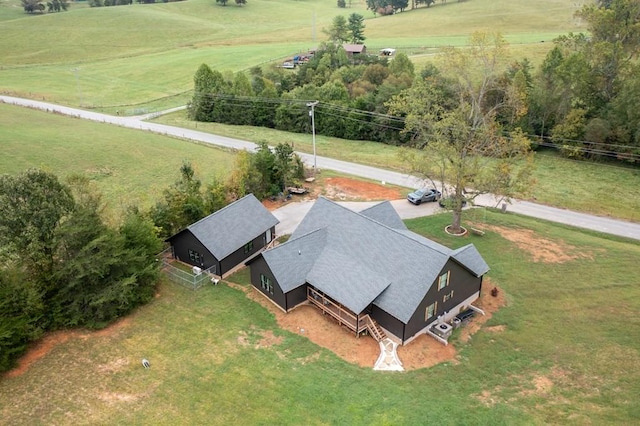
{"type": "Point", "coordinates": [196, 270]}
{"type": "Point", "coordinates": [455, 322]}
{"type": "Point", "coordinates": [443, 330]}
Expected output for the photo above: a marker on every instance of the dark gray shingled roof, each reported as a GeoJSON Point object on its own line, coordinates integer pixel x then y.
{"type": "Point", "coordinates": [470, 257]}
{"type": "Point", "coordinates": [362, 260]}
{"type": "Point", "coordinates": [231, 227]}
{"type": "Point", "coordinates": [291, 262]}
{"type": "Point", "coordinates": [385, 214]}
{"type": "Point", "coordinates": [355, 287]}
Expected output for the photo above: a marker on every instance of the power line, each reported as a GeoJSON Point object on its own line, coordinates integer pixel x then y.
{"type": "Point", "coordinates": [352, 114]}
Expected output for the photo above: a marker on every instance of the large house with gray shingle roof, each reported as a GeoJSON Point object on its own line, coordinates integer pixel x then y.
{"type": "Point", "coordinates": [367, 268]}
{"type": "Point", "coordinates": [226, 238]}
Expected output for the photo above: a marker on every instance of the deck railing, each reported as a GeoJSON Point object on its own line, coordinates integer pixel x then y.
{"type": "Point", "coordinates": [337, 311]}
{"type": "Point", "coordinates": [355, 323]}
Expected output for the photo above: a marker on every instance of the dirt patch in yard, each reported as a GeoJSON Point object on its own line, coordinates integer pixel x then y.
{"type": "Point", "coordinates": [322, 330]}
{"type": "Point", "coordinates": [540, 249]}
{"type": "Point", "coordinates": [489, 304]}
{"type": "Point", "coordinates": [43, 346]}
{"type": "Point", "coordinates": [341, 189]}
{"type": "Point", "coordinates": [346, 189]}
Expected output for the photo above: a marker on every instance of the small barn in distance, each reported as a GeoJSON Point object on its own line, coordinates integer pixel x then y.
{"type": "Point", "coordinates": [226, 238]}
{"type": "Point", "coordinates": [355, 49]}
{"type": "Point", "coordinates": [369, 272]}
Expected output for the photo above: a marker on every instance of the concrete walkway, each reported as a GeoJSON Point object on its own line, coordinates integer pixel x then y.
{"type": "Point", "coordinates": [388, 359]}
{"type": "Point", "coordinates": [568, 217]}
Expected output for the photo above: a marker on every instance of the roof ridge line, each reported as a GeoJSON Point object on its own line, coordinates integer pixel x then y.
{"type": "Point", "coordinates": [397, 231]}
{"type": "Point", "coordinates": [222, 209]}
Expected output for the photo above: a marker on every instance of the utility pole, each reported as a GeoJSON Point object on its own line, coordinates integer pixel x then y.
{"type": "Point", "coordinates": [313, 132]}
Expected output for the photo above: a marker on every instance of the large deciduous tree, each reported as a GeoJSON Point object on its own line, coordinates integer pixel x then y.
{"type": "Point", "coordinates": [338, 32]}
{"type": "Point", "coordinates": [32, 205]}
{"type": "Point", "coordinates": [463, 144]}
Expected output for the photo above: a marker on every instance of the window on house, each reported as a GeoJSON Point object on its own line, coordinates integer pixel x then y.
{"type": "Point", "coordinates": [248, 247]}
{"type": "Point", "coordinates": [195, 257]}
{"type": "Point", "coordinates": [431, 310]}
{"type": "Point", "coordinates": [443, 281]}
{"type": "Point", "coordinates": [447, 296]}
{"type": "Point", "coordinates": [265, 283]}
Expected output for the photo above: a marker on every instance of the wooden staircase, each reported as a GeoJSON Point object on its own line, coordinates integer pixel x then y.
{"type": "Point", "coordinates": [374, 329]}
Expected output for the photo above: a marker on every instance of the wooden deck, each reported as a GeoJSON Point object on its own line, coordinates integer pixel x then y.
{"type": "Point", "coordinates": [356, 323]}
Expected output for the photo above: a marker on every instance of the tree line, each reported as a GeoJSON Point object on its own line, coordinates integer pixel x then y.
{"type": "Point", "coordinates": [38, 6]}
{"type": "Point", "coordinates": [62, 266]}
{"type": "Point", "coordinates": [581, 100]}
{"type": "Point", "coordinates": [352, 93]}
{"type": "Point", "coordinates": [264, 173]}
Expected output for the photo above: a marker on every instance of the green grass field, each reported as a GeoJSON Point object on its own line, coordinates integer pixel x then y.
{"type": "Point", "coordinates": [569, 353]}
{"type": "Point", "coordinates": [108, 62]}
{"type": "Point", "coordinates": [573, 327]}
{"type": "Point", "coordinates": [128, 167]}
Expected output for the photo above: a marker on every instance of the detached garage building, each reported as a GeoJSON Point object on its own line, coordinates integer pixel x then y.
{"type": "Point", "coordinates": [226, 238]}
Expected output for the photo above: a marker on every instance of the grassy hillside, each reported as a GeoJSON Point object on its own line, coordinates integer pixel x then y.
{"type": "Point", "coordinates": [567, 351]}
{"type": "Point", "coordinates": [132, 55]}
{"type": "Point", "coordinates": [128, 167]}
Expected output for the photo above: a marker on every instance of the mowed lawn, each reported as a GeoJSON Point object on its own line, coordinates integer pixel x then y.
{"type": "Point", "coordinates": [564, 350]}
{"type": "Point", "coordinates": [129, 168]}
{"type": "Point", "coordinates": [568, 350]}
{"type": "Point", "coordinates": [143, 57]}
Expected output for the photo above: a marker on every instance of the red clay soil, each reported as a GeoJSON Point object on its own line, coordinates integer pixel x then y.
{"type": "Point", "coordinates": [322, 330]}
{"type": "Point", "coordinates": [346, 189]}
{"type": "Point", "coordinates": [43, 346]}
{"type": "Point", "coordinates": [342, 189]}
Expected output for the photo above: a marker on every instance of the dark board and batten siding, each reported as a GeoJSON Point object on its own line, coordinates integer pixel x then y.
{"type": "Point", "coordinates": [286, 301]}
{"type": "Point", "coordinates": [388, 322]}
{"type": "Point", "coordinates": [240, 255]}
{"type": "Point", "coordinates": [461, 282]}
{"type": "Point", "coordinates": [258, 268]}
{"type": "Point", "coordinates": [185, 241]}
{"type": "Point", "coordinates": [296, 296]}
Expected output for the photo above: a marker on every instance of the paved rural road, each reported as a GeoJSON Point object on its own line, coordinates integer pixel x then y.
{"type": "Point", "coordinates": [406, 210]}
